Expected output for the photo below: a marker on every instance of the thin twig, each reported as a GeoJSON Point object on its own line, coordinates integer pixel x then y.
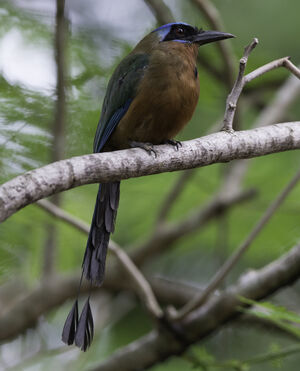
{"type": "Point", "coordinates": [231, 102]}
{"type": "Point", "coordinates": [63, 215]}
{"type": "Point", "coordinates": [163, 238]}
{"type": "Point", "coordinates": [290, 66]}
{"type": "Point", "coordinates": [242, 80]}
{"type": "Point", "coordinates": [141, 285]}
{"type": "Point", "coordinates": [274, 112]}
{"type": "Point", "coordinates": [285, 96]}
{"type": "Point", "coordinates": [282, 62]}
{"type": "Point", "coordinates": [235, 257]}
{"type": "Point", "coordinates": [173, 194]}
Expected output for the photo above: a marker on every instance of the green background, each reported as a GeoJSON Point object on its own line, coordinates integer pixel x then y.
{"type": "Point", "coordinates": [26, 116]}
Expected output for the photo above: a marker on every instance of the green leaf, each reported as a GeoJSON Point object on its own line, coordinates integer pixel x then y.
{"type": "Point", "coordinates": [279, 315]}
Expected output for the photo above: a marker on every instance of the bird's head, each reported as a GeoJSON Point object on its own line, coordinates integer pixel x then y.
{"type": "Point", "coordinates": [184, 33]}
{"type": "Point", "coordinates": [181, 33]}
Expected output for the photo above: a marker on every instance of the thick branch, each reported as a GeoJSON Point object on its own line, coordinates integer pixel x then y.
{"type": "Point", "coordinates": [28, 306]}
{"type": "Point", "coordinates": [52, 294]}
{"type": "Point", "coordinates": [256, 285]}
{"type": "Point", "coordinates": [109, 166]}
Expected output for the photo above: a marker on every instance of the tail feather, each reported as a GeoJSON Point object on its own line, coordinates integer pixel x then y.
{"type": "Point", "coordinates": [110, 219]}
{"type": "Point", "coordinates": [103, 223]}
{"type": "Point", "coordinates": [114, 195]}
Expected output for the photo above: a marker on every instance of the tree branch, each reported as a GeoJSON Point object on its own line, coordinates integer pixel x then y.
{"type": "Point", "coordinates": [274, 112]}
{"type": "Point", "coordinates": [285, 96]}
{"type": "Point", "coordinates": [110, 166]}
{"type": "Point", "coordinates": [56, 291]}
{"type": "Point", "coordinates": [58, 130]}
{"type": "Point", "coordinates": [140, 284]}
{"type": "Point", "coordinates": [172, 196]}
{"type": "Point", "coordinates": [235, 257]}
{"type": "Point", "coordinates": [156, 347]}
{"type": "Point", "coordinates": [232, 99]}
{"type": "Point", "coordinates": [164, 237]}
{"type": "Point", "coordinates": [63, 215]}
{"type": "Point", "coordinates": [241, 81]}
{"type": "Point", "coordinates": [282, 62]}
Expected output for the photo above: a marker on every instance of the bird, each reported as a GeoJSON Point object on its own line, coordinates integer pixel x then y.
{"type": "Point", "coordinates": [150, 97]}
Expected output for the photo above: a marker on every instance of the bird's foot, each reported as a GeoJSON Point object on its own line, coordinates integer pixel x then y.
{"type": "Point", "coordinates": [148, 147]}
{"type": "Point", "coordinates": [173, 142]}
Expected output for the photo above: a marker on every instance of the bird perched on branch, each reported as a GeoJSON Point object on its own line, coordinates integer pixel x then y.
{"type": "Point", "coordinates": [150, 97]}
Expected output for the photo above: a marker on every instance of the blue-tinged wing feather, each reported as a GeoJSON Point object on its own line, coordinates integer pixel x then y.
{"type": "Point", "coordinates": [111, 125]}
{"type": "Point", "coordinates": [121, 91]}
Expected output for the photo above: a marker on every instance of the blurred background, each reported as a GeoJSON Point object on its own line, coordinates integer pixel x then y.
{"type": "Point", "coordinates": [54, 68]}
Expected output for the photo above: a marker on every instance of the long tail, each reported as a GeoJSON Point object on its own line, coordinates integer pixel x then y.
{"type": "Point", "coordinates": [103, 224]}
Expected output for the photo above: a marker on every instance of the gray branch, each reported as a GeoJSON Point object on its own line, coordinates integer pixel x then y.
{"type": "Point", "coordinates": [157, 346]}
{"type": "Point", "coordinates": [110, 166]}
{"type": "Point", "coordinates": [235, 257]}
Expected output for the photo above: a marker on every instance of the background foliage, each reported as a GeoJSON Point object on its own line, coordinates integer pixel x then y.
{"type": "Point", "coordinates": [100, 34]}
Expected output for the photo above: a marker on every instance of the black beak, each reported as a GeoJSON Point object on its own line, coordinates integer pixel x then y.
{"type": "Point", "coordinates": [205, 37]}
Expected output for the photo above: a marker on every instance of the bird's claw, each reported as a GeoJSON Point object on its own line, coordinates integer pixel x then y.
{"type": "Point", "coordinates": [173, 142]}
{"type": "Point", "coordinates": [148, 147]}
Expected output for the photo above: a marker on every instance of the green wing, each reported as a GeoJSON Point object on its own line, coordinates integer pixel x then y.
{"type": "Point", "coordinates": [121, 91]}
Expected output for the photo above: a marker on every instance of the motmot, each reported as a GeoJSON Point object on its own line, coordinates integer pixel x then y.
{"type": "Point", "coordinates": [150, 97]}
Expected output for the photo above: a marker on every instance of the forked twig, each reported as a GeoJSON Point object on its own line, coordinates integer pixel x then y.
{"type": "Point", "coordinates": [233, 97]}
{"type": "Point", "coordinates": [242, 80]}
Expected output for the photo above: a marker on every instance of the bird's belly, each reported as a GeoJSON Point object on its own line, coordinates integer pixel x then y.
{"type": "Point", "coordinates": [158, 114]}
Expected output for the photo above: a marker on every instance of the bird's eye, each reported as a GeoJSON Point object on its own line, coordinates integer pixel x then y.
{"type": "Point", "coordinates": [179, 31]}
